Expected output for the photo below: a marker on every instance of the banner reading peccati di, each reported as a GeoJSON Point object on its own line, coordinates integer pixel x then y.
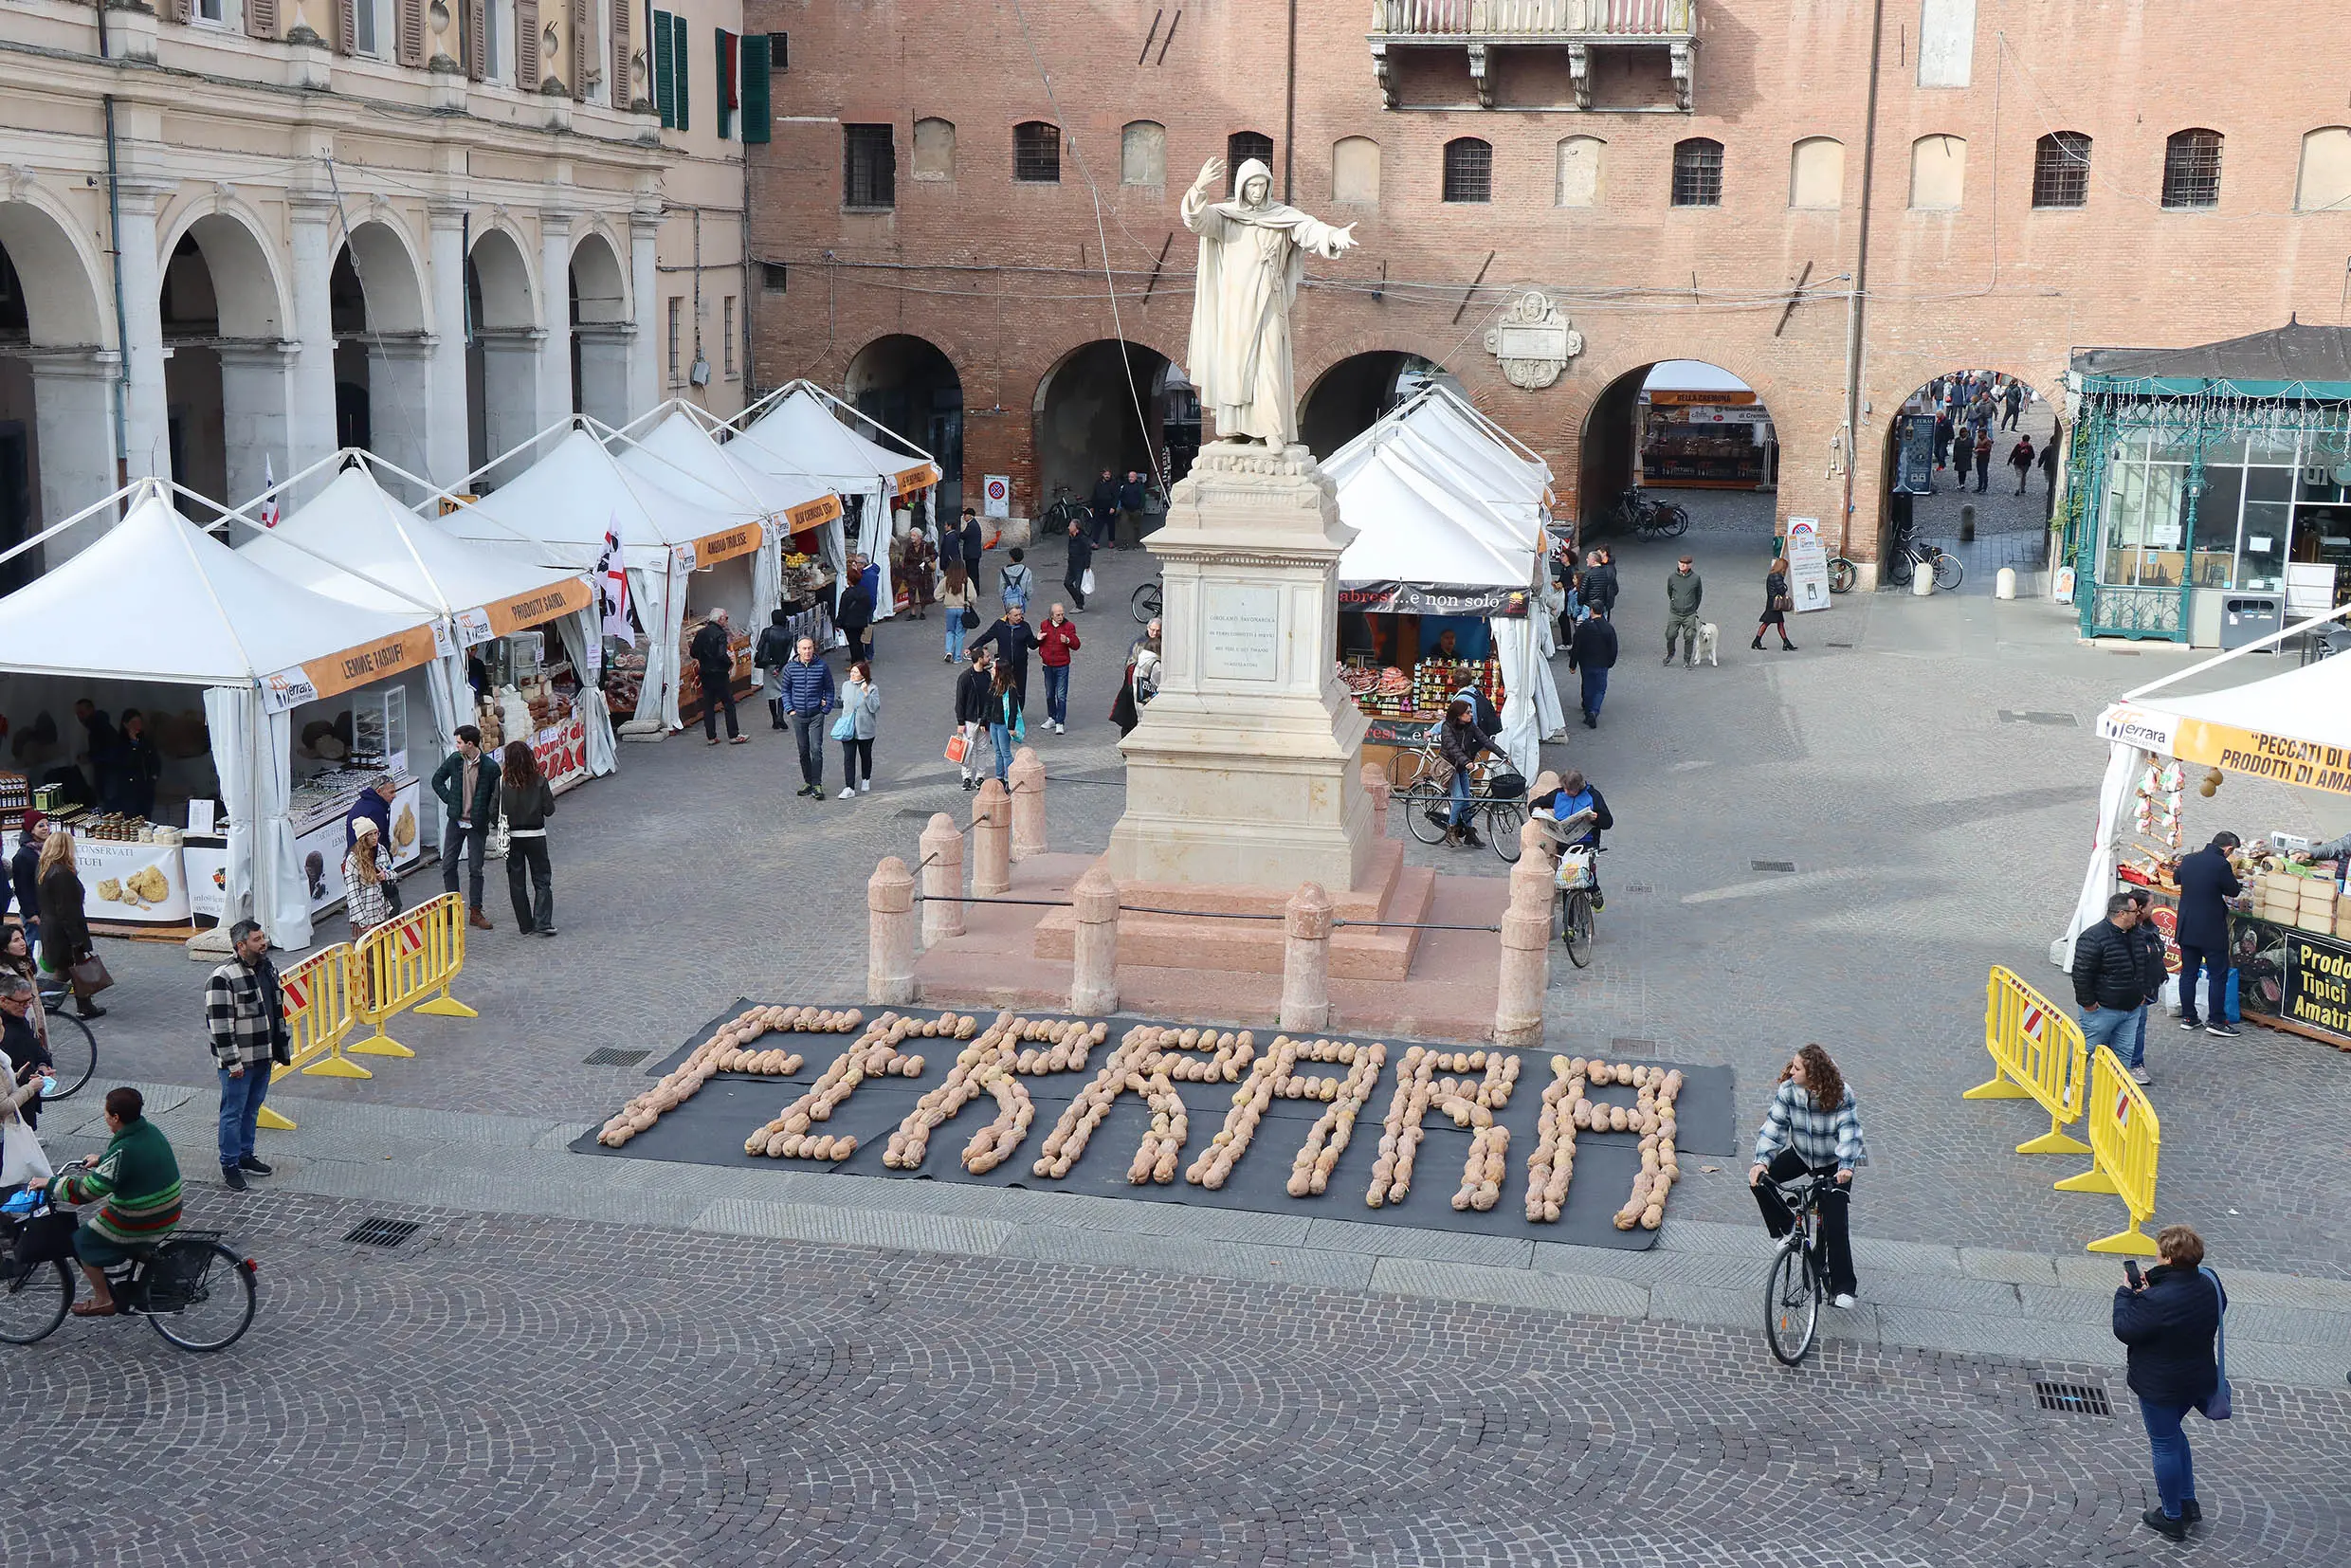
{"type": "Point", "coordinates": [2253, 752]}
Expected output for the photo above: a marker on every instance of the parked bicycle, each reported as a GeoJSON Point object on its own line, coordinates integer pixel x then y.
{"type": "Point", "coordinates": [73, 1049]}
{"type": "Point", "coordinates": [1145, 602]}
{"type": "Point", "coordinates": [1065, 510]}
{"type": "Point", "coordinates": [191, 1288]}
{"type": "Point", "coordinates": [1843, 575]}
{"type": "Point", "coordinates": [1428, 805]}
{"type": "Point", "coordinates": [1798, 1280]}
{"type": "Point", "coordinates": [1636, 513]}
{"type": "Point", "coordinates": [1577, 883]}
{"type": "Point", "coordinates": [1910, 554]}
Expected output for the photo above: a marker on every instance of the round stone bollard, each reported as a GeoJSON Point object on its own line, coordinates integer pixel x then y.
{"type": "Point", "coordinates": [1967, 522]}
{"type": "Point", "coordinates": [942, 880]}
{"type": "Point", "coordinates": [2004, 585]}
{"type": "Point", "coordinates": [1306, 959]}
{"type": "Point", "coordinates": [889, 934]}
{"type": "Point", "coordinates": [991, 840]}
{"type": "Point", "coordinates": [1376, 785]}
{"type": "Point", "coordinates": [1094, 950]}
{"type": "Point", "coordinates": [1525, 973]}
{"type": "Point", "coordinates": [1027, 778]}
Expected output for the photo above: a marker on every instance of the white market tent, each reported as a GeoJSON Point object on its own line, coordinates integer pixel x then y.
{"type": "Point", "coordinates": [2293, 728]}
{"type": "Point", "coordinates": [557, 511]}
{"type": "Point", "coordinates": [355, 542]}
{"type": "Point", "coordinates": [1441, 501]}
{"type": "Point", "coordinates": [155, 598]}
{"type": "Point", "coordinates": [797, 431]}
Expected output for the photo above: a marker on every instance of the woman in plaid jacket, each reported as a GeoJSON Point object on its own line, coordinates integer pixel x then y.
{"type": "Point", "coordinates": [1813, 1126]}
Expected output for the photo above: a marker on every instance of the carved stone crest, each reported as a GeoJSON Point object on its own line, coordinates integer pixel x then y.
{"type": "Point", "coordinates": [1533, 341]}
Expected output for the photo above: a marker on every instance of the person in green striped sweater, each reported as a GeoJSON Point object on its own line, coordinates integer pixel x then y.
{"type": "Point", "coordinates": [136, 1185]}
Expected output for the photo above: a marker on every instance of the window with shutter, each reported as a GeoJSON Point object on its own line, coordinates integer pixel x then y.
{"type": "Point", "coordinates": [261, 18]}
{"type": "Point", "coordinates": [477, 39]}
{"type": "Point", "coordinates": [409, 18]}
{"type": "Point", "coordinates": [346, 27]}
{"type": "Point", "coordinates": [526, 45]}
{"type": "Point", "coordinates": [665, 84]}
{"type": "Point", "coordinates": [679, 60]}
{"type": "Point", "coordinates": [758, 64]}
{"type": "Point", "coordinates": [624, 87]}
{"type": "Point", "coordinates": [725, 82]}
{"type": "Point", "coordinates": [583, 47]}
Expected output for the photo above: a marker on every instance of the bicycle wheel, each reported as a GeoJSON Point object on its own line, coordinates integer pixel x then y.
{"type": "Point", "coordinates": [1503, 821]}
{"type": "Point", "coordinates": [74, 1051]}
{"type": "Point", "coordinates": [1406, 771]}
{"type": "Point", "coordinates": [1791, 1302]}
{"type": "Point", "coordinates": [1899, 566]}
{"type": "Point", "coordinates": [1426, 810]}
{"type": "Point", "coordinates": [1948, 571]}
{"type": "Point", "coordinates": [1842, 575]}
{"type": "Point", "coordinates": [1674, 522]}
{"type": "Point", "coordinates": [33, 1300]}
{"type": "Point", "coordinates": [1146, 603]}
{"type": "Point", "coordinates": [220, 1302]}
{"type": "Point", "coordinates": [1575, 925]}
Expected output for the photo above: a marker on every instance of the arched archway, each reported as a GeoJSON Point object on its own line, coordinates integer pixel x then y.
{"type": "Point", "coordinates": [599, 309]}
{"type": "Point", "coordinates": [1990, 515]}
{"type": "Point", "coordinates": [1086, 418]}
{"type": "Point", "coordinates": [501, 352]}
{"type": "Point", "coordinates": [225, 384]}
{"type": "Point", "coordinates": [56, 414]}
{"type": "Point", "coordinates": [1350, 398]}
{"type": "Point", "coordinates": [1686, 426]}
{"type": "Point", "coordinates": [909, 385]}
{"type": "Point", "coordinates": [375, 298]}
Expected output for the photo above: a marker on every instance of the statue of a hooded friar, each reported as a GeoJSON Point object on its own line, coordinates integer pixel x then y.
{"type": "Point", "coordinates": [1252, 256]}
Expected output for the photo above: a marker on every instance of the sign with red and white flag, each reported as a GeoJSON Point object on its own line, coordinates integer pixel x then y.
{"type": "Point", "coordinates": [612, 583]}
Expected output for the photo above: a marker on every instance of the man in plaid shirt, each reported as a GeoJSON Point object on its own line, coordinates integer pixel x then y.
{"type": "Point", "coordinates": [246, 1014]}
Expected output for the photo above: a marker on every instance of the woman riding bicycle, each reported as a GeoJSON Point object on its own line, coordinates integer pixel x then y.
{"type": "Point", "coordinates": [1460, 742]}
{"type": "Point", "coordinates": [1815, 1128]}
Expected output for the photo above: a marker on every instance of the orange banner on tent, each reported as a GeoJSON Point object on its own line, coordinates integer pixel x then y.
{"type": "Point", "coordinates": [809, 514]}
{"type": "Point", "coordinates": [2308, 763]}
{"type": "Point", "coordinates": [920, 478]}
{"type": "Point", "coordinates": [726, 544]}
{"type": "Point", "coordinates": [369, 663]}
{"type": "Point", "coordinates": [566, 597]}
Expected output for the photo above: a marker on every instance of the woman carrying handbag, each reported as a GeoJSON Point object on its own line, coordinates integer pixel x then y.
{"type": "Point", "coordinates": [861, 705]}
{"type": "Point", "coordinates": [21, 1159]}
{"type": "Point", "coordinates": [962, 604]}
{"type": "Point", "coordinates": [66, 954]}
{"type": "Point", "coordinates": [1775, 606]}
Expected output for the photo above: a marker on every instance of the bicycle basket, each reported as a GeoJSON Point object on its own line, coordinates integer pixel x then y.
{"type": "Point", "coordinates": [176, 1271]}
{"type": "Point", "coordinates": [1574, 869]}
{"type": "Point", "coordinates": [48, 1238]}
{"type": "Point", "coordinates": [1505, 786]}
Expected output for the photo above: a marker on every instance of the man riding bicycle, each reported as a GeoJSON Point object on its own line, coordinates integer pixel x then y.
{"type": "Point", "coordinates": [136, 1185]}
{"type": "Point", "coordinates": [1574, 795]}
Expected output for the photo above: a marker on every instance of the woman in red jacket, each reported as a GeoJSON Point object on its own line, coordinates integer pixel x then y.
{"type": "Point", "coordinates": [1056, 640]}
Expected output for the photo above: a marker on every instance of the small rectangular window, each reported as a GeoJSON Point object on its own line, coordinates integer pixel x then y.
{"type": "Point", "coordinates": [1468, 170]}
{"type": "Point", "coordinates": [1036, 153]}
{"type": "Point", "coordinates": [1698, 172]}
{"type": "Point", "coordinates": [868, 166]}
{"type": "Point", "coordinates": [2192, 170]}
{"type": "Point", "coordinates": [2061, 170]}
{"type": "Point", "coordinates": [363, 26]}
{"type": "Point", "coordinates": [726, 322]}
{"type": "Point", "coordinates": [775, 277]}
{"type": "Point", "coordinates": [212, 10]}
{"type": "Point", "coordinates": [677, 335]}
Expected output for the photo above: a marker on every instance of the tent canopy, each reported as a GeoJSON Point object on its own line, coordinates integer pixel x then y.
{"type": "Point", "coordinates": [1439, 498]}
{"type": "Point", "coordinates": [679, 452]}
{"type": "Point", "coordinates": [156, 598]}
{"type": "Point", "coordinates": [801, 432]}
{"type": "Point", "coordinates": [558, 508]}
{"type": "Point", "coordinates": [355, 543]}
{"type": "Point", "coordinates": [2294, 727]}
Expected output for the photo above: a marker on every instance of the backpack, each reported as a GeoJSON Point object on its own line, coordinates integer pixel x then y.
{"type": "Point", "coordinates": [1482, 712]}
{"type": "Point", "coordinates": [1016, 581]}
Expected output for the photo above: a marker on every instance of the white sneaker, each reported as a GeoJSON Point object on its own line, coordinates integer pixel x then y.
{"type": "Point", "coordinates": [1058, 728]}
{"type": "Point", "coordinates": [1844, 1304]}
{"type": "Point", "coordinates": [849, 791]}
{"type": "Point", "coordinates": [866, 788]}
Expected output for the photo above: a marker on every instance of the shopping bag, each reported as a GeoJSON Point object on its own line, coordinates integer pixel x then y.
{"type": "Point", "coordinates": [844, 727]}
{"type": "Point", "coordinates": [957, 748]}
{"type": "Point", "coordinates": [89, 975]}
{"type": "Point", "coordinates": [21, 1159]}
{"type": "Point", "coordinates": [2219, 1407]}
{"type": "Point", "coordinates": [1085, 582]}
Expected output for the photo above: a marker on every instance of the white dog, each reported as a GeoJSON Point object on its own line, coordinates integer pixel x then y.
{"type": "Point", "coordinates": [1707, 639]}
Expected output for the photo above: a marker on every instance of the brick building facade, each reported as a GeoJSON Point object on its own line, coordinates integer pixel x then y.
{"type": "Point", "coordinates": [905, 197]}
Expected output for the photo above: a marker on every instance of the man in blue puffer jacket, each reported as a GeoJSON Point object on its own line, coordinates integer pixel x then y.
{"type": "Point", "coordinates": [806, 690]}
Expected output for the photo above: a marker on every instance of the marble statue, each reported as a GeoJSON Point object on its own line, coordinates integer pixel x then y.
{"type": "Point", "coordinates": [1252, 256]}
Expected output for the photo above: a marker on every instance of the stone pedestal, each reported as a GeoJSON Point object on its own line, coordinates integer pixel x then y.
{"type": "Point", "coordinates": [1244, 769]}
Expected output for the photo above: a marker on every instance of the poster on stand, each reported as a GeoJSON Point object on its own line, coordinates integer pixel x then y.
{"type": "Point", "coordinates": [132, 883]}
{"type": "Point", "coordinates": [319, 851]}
{"type": "Point", "coordinates": [1808, 565]}
{"type": "Point", "coordinates": [205, 862]}
{"type": "Point", "coordinates": [561, 750]}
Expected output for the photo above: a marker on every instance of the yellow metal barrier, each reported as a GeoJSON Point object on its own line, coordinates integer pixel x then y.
{"type": "Point", "coordinates": [317, 996]}
{"type": "Point", "coordinates": [2038, 1054]}
{"type": "Point", "coordinates": [404, 959]}
{"type": "Point", "coordinates": [2125, 1143]}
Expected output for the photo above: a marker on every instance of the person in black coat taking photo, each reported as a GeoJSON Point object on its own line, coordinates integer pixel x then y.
{"type": "Point", "coordinates": [2169, 1321]}
{"type": "Point", "coordinates": [2207, 882]}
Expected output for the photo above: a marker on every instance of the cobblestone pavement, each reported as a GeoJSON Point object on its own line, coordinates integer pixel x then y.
{"type": "Point", "coordinates": [532, 1391]}
{"type": "Point", "coordinates": [1925, 767]}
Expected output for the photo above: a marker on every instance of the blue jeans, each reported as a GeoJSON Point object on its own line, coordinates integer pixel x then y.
{"type": "Point", "coordinates": [240, 1108]}
{"type": "Point", "coordinates": [2208, 961]}
{"type": "Point", "coordinates": [1461, 798]}
{"type": "Point", "coordinates": [1057, 693]}
{"type": "Point", "coordinates": [2111, 1026]}
{"type": "Point", "coordinates": [1596, 691]}
{"type": "Point", "coordinates": [2175, 1468]}
{"type": "Point", "coordinates": [1002, 735]}
{"type": "Point", "coordinates": [2139, 1038]}
{"type": "Point", "coordinates": [954, 632]}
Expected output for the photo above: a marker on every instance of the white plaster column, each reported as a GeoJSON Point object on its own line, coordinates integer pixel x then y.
{"type": "Point", "coordinates": [254, 409]}
{"type": "Point", "coordinates": [646, 349]}
{"type": "Point", "coordinates": [146, 412]}
{"type": "Point", "coordinates": [400, 403]}
{"type": "Point", "coordinates": [74, 429]}
{"type": "Point", "coordinates": [604, 370]}
{"type": "Point", "coordinates": [555, 350]}
{"type": "Point", "coordinates": [446, 443]}
{"type": "Point", "coordinates": [510, 414]}
{"type": "Point", "coordinates": [310, 421]}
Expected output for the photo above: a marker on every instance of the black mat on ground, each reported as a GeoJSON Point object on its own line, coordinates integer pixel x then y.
{"type": "Point", "coordinates": [709, 1129]}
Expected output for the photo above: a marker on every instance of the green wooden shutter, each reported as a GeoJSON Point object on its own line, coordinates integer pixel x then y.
{"type": "Point", "coordinates": [727, 118]}
{"type": "Point", "coordinates": [679, 68]}
{"type": "Point", "coordinates": [758, 61]}
{"type": "Point", "coordinates": [665, 95]}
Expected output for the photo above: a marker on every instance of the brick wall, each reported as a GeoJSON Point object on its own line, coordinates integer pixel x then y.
{"type": "Point", "coordinates": [1005, 278]}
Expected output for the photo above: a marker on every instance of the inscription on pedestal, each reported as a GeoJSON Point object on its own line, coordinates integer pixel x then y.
{"type": "Point", "coordinates": [1241, 634]}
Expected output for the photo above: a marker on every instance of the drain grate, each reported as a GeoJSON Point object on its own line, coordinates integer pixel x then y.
{"type": "Point", "coordinates": [1773, 864]}
{"type": "Point", "coordinates": [1632, 1047]}
{"type": "Point", "coordinates": [1841, 645]}
{"type": "Point", "coordinates": [605, 1056]}
{"type": "Point", "coordinates": [379, 1232]}
{"type": "Point", "coordinates": [2059, 720]}
{"type": "Point", "coordinates": [913, 813]}
{"type": "Point", "coordinates": [2075, 1398]}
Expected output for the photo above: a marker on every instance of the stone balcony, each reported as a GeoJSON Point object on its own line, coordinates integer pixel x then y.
{"type": "Point", "coordinates": [1575, 28]}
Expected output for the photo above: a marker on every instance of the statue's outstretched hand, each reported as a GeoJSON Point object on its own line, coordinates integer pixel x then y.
{"type": "Point", "coordinates": [1343, 241]}
{"type": "Point", "coordinates": [1211, 172]}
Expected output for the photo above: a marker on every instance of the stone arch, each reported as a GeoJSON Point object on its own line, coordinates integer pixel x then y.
{"type": "Point", "coordinates": [1611, 438]}
{"type": "Point", "coordinates": [1917, 492]}
{"type": "Point", "coordinates": [910, 384]}
{"type": "Point", "coordinates": [505, 288]}
{"type": "Point", "coordinates": [248, 281]}
{"type": "Point", "coordinates": [1351, 393]}
{"type": "Point", "coordinates": [1083, 415]}
{"type": "Point", "coordinates": [385, 260]}
{"type": "Point", "coordinates": [597, 297]}
{"type": "Point", "coordinates": [64, 284]}
{"type": "Point", "coordinates": [57, 424]}
{"type": "Point", "coordinates": [600, 279]}
{"type": "Point", "coordinates": [503, 299]}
